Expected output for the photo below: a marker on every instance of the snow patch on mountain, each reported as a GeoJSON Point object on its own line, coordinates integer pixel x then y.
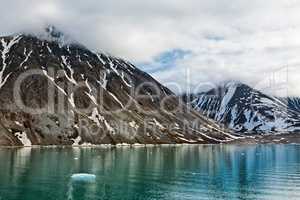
{"type": "Point", "coordinates": [248, 111]}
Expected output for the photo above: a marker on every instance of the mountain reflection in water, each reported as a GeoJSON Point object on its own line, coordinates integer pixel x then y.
{"type": "Point", "coordinates": [170, 172]}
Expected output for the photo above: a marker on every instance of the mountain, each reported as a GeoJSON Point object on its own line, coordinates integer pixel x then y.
{"type": "Point", "coordinates": [246, 110]}
{"type": "Point", "coordinates": [293, 103]}
{"type": "Point", "coordinates": [54, 92]}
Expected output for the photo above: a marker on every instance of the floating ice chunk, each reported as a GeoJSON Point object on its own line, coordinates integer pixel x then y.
{"type": "Point", "coordinates": [82, 177]}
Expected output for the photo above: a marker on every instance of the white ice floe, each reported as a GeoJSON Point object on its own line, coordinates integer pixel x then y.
{"type": "Point", "coordinates": [83, 177]}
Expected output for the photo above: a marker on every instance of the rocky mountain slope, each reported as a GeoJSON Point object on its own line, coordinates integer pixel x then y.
{"type": "Point", "coordinates": [55, 93]}
{"type": "Point", "coordinates": [293, 103]}
{"type": "Point", "coordinates": [248, 111]}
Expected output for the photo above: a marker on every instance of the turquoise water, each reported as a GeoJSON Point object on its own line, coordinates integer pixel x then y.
{"type": "Point", "coordinates": [184, 172]}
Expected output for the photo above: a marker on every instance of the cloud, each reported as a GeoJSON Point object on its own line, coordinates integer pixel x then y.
{"type": "Point", "coordinates": [165, 61]}
{"type": "Point", "coordinates": [249, 41]}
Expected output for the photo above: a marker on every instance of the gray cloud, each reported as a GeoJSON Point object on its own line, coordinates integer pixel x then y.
{"type": "Point", "coordinates": [242, 40]}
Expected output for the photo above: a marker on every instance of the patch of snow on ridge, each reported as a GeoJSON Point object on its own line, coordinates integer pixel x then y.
{"type": "Point", "coordinates": [27, 55]}
{"type": "Point", "coordinates": [6, 48]}
{"type": "Point", "coordinates": [71, 100]}
{"type": "Point", "coordinates": [95, 116]}
{"type": "Point", "coordinates": [76, 141]}
{"type": "Point", "coordinates": [113, 66]}
{"type": "Point", "coordinates": [88, 85]}
{"type": "Point", "coordinates": [116, 99]}
{"type": "Point", "coordinates": [108, 126]}
{"type": "Point", "coordinates": [71, 78]}
{"type": "Point", "coordinates": [53, 81]}
{"type": "Point", "coordinates": [104, 81]}
{"type": "Point", "coordinates": [159, 125]}
{"type": "Point", "coordinates": [18, 123]}
{"type": "Point", "coordinates": [133, 124]}
{"type": "Point", "coordinates": [226, 99]}
{"type": "Point", "coordinates": [234, 116]}
{"type": "Point", "coordinates": [49, 49]}
{"type": "Point", "coordinates": [125, 81]}
{"type": "Point", "coordinates": [92, 98]}
{"type": "Point", "coordinates": [22, 136]}
{"type": "Point", "coordinates": [250, 123]}
{"type": "Point", "coordinates": [99, 58]}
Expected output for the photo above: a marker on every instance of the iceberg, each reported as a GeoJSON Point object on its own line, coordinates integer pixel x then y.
{"type": "Point", "coordinates": [82, 177]}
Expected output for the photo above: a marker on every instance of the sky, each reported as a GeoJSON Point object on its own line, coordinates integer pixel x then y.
{"type": "Point", "coordinates": [188, 45]}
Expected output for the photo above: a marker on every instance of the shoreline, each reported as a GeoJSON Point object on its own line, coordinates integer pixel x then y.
{"type": "Point", "coordinates": [251, 140]}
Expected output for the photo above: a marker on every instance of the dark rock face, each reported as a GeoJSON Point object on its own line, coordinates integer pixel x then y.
{"type": "Point", "coordinates": [293, 103]}
{"type": "Point", "coordinates": [64, 94]}
{"type": "Point", "coordinates": [248, 111]}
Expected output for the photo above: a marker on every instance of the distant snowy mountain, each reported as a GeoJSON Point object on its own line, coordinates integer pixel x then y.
{"type": "Point", "coordinates": [293, 103]}
{"type": "Point", "coordinates": [97, 82]}
{"type": "Point", "coordinates": [248, 111]}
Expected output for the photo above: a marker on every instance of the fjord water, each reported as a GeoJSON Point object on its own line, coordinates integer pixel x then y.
{"type": "Point", "coordinates": [181, 172]}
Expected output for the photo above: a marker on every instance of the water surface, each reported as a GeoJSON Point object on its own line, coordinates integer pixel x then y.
{"type": "Point", "coordinates": [183, 173]}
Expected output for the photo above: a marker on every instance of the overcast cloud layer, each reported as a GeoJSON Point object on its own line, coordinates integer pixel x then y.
{"type": "Point", "coordinates": [208, 41]}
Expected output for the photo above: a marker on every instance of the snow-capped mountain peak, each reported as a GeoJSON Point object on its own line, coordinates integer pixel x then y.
{"type": "Point", "coordinates": [99, 84]}
{"type": "Point", "coordinates": [247, 110]}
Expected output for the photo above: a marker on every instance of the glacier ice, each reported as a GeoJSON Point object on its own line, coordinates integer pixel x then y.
{"type": "Point", "coordinates": [82, 177]}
